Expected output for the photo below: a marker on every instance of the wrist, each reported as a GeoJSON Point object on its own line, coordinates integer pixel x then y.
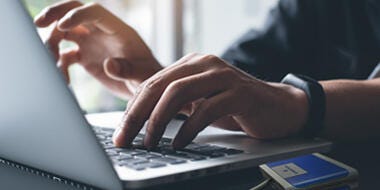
{"type": "Point", "coordinates": [301, 107]}
{"type": "Point", "coordinates": [316, 99]}
{"type": "Point", "coordinates": [295, 107]}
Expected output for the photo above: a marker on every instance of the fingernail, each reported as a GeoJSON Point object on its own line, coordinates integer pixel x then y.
{"type": "Point", "coordinates": [116, 134]}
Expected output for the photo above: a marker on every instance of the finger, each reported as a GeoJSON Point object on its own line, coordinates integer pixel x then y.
{"type": "Point", "coordinates": [209, 111]}
{"type": "Point", "coordinates": [189, 108]}
{"type": "Point", "coordinates": [118, 69]}
{"type": "Point", "coordinates": [65, 60]}
{"type": "Point", "coordinates": [175, 96]}
{"type": "Point", "coordinates": [55, 12]}
{"type": "Point", "coordinates": [120, 136]}
{"type": "Point", "coordinates": [52, 42]}
{"type": "Point", "coordinates": [190, 64]}
{"type": "Point", "coordinates": [129, 128]}
{"type": "Point", "coordinates": [136, 114]}
{"type": "Point", "coordinates": [184, 59]}
{"type": "Point", "coordinates": [161, 79]}
{"type": "Point", "coordinates": [228, 123]}
{"type": "Point", "coordinates": [186, 109]}
{"type": "Point", "coordinates": [91, 14]}
{"type": "Point", "coordinates": [56, 36]}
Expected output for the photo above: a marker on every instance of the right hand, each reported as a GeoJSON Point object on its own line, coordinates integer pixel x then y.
{"type": "Point", "coordinates": [109, 49]}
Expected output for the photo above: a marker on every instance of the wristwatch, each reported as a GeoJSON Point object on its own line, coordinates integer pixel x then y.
{"type": "Point", "coordinates": [316, 99]}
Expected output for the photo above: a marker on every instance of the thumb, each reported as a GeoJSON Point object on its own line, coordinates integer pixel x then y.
{"type": "Point", "coordinates": [117, 68]}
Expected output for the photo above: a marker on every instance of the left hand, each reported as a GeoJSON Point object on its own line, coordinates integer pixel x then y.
{"type": "Point", "coordinates": [108, 49]}
{"type": "Point", "coordinates": [216, 92]}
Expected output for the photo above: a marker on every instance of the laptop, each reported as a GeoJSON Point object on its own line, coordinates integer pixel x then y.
{"type": "Point", "coordinates": [44, 131]}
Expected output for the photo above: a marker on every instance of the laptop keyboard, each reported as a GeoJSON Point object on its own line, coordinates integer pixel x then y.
{"type": "Point", "coordinates": [139, 158]}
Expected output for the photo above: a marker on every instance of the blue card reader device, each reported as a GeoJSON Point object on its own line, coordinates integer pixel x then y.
{"type": "Point", "coordinates": [313, 171]}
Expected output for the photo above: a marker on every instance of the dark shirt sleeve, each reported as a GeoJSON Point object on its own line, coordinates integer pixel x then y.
{"type": "Point", "coordinates": [269, 53]}
{"type": "Point", "coordinates": [322, 39]}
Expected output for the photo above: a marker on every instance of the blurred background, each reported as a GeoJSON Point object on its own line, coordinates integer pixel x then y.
{"type": "Point", "coordinates": [172, 28]}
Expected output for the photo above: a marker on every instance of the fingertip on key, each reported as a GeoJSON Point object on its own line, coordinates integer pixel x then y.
{"type": "Point", "coordinates": [117, 139]}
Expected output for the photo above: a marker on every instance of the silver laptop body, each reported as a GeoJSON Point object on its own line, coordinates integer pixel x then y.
{"type": "Point", "coordinates": [42, 126]}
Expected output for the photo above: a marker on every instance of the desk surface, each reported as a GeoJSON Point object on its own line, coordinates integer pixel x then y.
{"type": "Point", "coordinates": [364, 156]}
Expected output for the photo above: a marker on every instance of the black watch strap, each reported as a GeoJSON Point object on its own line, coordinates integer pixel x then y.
{"type": "Point", "coordinates": [317, 102]}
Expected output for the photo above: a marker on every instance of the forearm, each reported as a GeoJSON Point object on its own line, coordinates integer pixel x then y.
{"type": "Point", "coordinates": [352, 109]}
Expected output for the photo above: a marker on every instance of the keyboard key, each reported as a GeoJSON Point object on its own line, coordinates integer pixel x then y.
{"type": "Point", "coordinates": [216, 154]}
{"type": "Point", "coordinates": [143, 166]}
{"type": "Point", "coordinates": [112, 153]}
{"type": "Point", "coordinates": [136, 167]}
{"type": "Point", "coordinates": [118, 149]}
{"type": "Point", "coordinates": [140, 136]}
{"type": "Point", "coordinates": [198, 158]}
{"type": "Point", "coordinates": [111, 130]}
{"type": "Point", "coordinates": [109, 146]}
{"type": "Point", "coordinates": [208, 150]}
{"type": "Point", "coordinates": [165, 140]}
{"type": "Point", "coordinates": [132, 152]}
{"type": "Point", "coordinates": [124, 157]}
{"type": "Point", "coordinates": [156, 165]}
{"type": "Point", "coordinates": [101, 137]}
{"type": "Point", "coordinates": [148, 156]}
{"type": "Point", "coordinates": [168, 160]}
{"type": "Point", "coordinates": [139, 158]}
{"type": "Point", "coordinates": [137, 142]}
{"type": "Point", "coordinates": [186, 155]}
{"type": "Point", "coordinates": [195, 146]}
{"type": "Point", "coordinates": [135, 161]}
{"type": "Point", "coordinates": [165, 149]}
{"type": "Point", "coordinates": [231, 151]}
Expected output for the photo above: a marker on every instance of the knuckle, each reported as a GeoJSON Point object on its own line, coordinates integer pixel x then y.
{"type": "Point", "coordinates": [141, 86]}
{"type": "Point", "coordinates": [204, 108]}
{"type": "Point", "coordinates": [76, 2]}
{"type": "Point", "coordinates": [150, 130]}
{"type": "Point", "coordinates": [95, 8]}
{"type": "Point", "coordinates": [177, 87]}
{"type": "Point", "coordinates": [185, 59]}
{"type": "Point", "coordinates": [209, 58]}
{"type": "Point", "coordinates": [84, 10]}
{"type": "Point", "coordinates": [54, 8]}
{"type": "Point", "coordinates": [193, 54]}
{"type": "Point", "coordinates": [154, 84]}
{"type": "Point", "coordinates": [138, 90]}
{"type": "Point", "coordinates": [153, 121]}
{"type": "Point", "coordinates": [94, 5]}
{"type": "Point", "coordinates": [227, 72]}
{"type": "Point", "coordinates": [49, 10]}
{"type": "Point", "coordinates": [187, 66]}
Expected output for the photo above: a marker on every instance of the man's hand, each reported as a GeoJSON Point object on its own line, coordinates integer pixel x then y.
{"type": "Point", "coordinates": [109, 49]}
{"type": "Point", "coordinates": [211, 91]}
